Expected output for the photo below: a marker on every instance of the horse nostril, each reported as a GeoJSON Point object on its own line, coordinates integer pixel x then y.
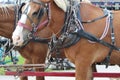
{"type": "Point", "coordinates": [18, 38]}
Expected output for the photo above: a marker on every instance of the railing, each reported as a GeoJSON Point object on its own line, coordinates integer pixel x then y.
{"type": "Point", "coordinates": [21, 72]}
{"type": "Point", "coordinates": [61, 74]}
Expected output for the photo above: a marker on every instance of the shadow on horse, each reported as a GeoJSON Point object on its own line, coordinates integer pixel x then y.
{"type": "Point", "coordinates": [84, 31]}
{"type": "Point", "coordinates": [33, 52]}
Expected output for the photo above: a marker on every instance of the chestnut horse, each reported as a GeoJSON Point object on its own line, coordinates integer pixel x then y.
{"type": "Point", "coordinates": [85, 52]}
{"type": "Point", "coordinates": [33, 52]}
{"type": "Point", "coordinates": [33, 55]}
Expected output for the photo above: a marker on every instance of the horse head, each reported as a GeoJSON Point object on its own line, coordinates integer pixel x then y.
{"type": "Point", "coordinates": [34, 17]}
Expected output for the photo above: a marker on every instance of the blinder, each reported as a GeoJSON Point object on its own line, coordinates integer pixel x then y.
{"type": "Point", "coordinates": [40, 13]}
{"type": "Point", "coordinates": [20, 9]}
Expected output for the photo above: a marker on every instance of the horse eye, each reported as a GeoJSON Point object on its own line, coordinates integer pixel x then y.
{"type": "Point", "coordinates": [35, 13]}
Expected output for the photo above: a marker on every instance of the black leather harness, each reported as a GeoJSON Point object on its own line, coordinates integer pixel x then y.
{"type": "Point", "coordinates": [72, 32]}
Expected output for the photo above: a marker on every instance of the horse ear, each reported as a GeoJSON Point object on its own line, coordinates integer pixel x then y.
{"type": "Point", "coordinates": [20, 8]}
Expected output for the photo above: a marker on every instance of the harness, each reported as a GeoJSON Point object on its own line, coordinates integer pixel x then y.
{"type": "Point", "coordinates": [73, 30]}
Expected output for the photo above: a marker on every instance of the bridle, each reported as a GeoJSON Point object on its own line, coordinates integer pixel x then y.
{"type": "Point", "coordinates": [35, 26]}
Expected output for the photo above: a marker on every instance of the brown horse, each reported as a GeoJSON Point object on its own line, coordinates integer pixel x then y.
{"type": "Point", "coordinates": [33, 52]}
{"type": "Point", "coordinates": [84, 53]}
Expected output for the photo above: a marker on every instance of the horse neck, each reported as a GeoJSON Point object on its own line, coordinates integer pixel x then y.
{"type": "Point", "coordinates": [6, 29]}
{"type": "Point", "coordinates": [7, 20]}
{"type": "Point", "coordinates": [7, 13]}
{"type": "Point", "coordinates": [57, 18]}
{"type": "Point", "coordinates": [43, 33]}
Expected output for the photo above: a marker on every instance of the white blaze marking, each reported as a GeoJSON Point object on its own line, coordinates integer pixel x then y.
{"type": "Point", "coordinates": [18, 31]}
{"type": "Point", "coordinates": [23, 19]}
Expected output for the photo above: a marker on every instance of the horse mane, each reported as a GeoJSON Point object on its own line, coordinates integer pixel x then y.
{"type": "Point", "coordinates": [6, 11]}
